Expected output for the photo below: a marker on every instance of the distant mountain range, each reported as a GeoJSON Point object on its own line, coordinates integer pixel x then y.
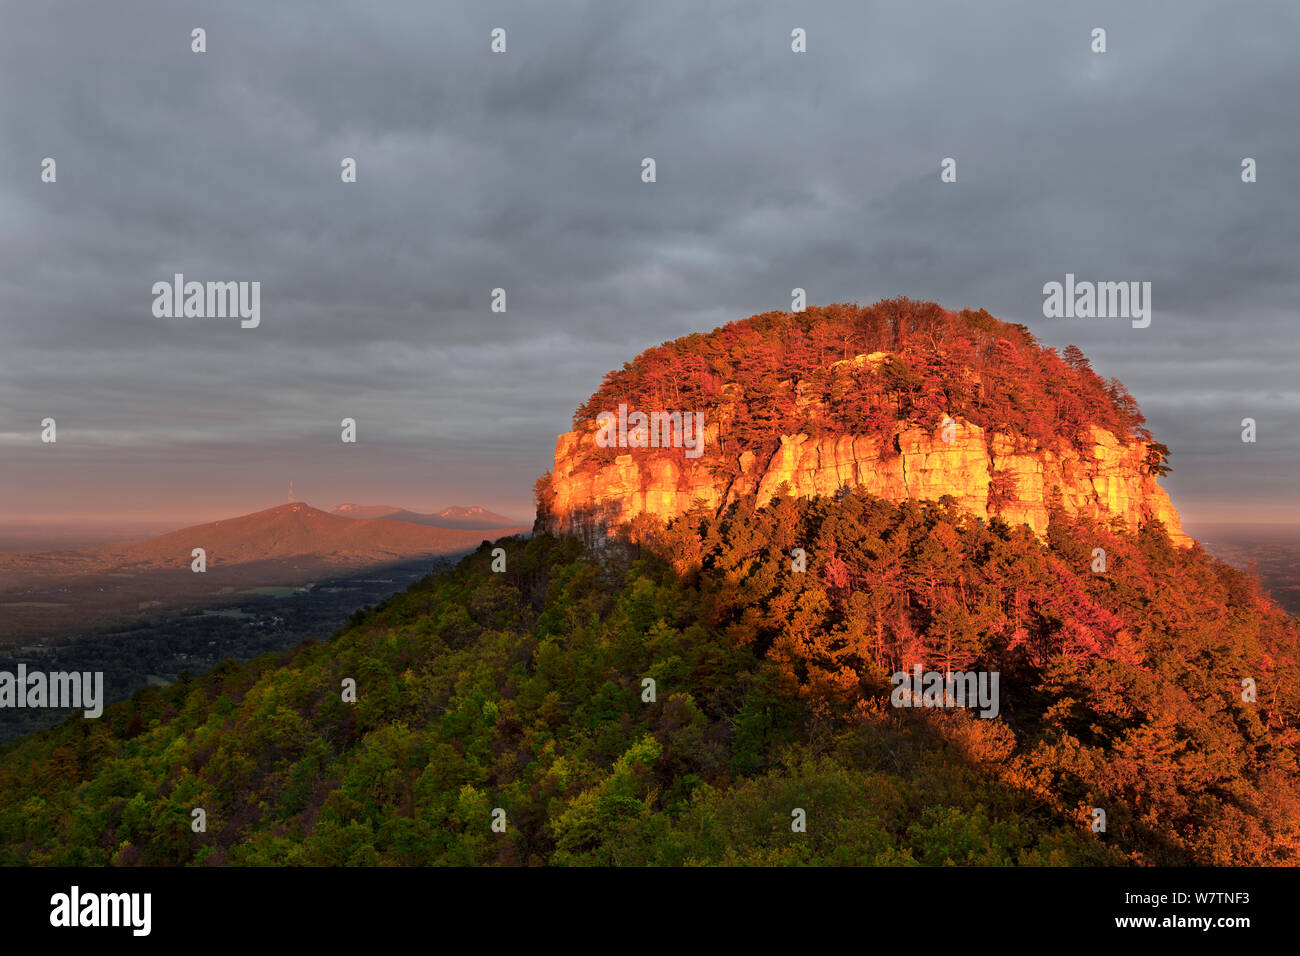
{"type": "Point", "coordinates": [52, 592]}
{"type": "Point", "coordinates": [457, 516]}
{"type": "Point", "coordinates": [287, 531]}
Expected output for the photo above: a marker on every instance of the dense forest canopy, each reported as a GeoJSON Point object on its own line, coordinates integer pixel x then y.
{"type": "Point", "coordinates": [524, 691]}
{"type": "Point", "coordinates": [518, 694]}
{"type": "Point", "coordinates": [784, 373]}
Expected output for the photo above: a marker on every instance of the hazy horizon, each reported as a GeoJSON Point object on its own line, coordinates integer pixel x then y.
{"type": "Point", "coordinates": [201, 515]}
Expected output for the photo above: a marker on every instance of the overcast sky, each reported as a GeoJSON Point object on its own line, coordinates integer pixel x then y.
{"type": "Point", "coordinates": [522, 170]}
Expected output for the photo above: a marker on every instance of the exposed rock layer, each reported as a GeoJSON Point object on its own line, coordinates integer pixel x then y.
{"type": "Point", "coordinates": [1099, 475]}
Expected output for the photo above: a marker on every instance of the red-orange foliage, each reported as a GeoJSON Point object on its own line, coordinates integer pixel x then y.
{"type": "Point", "coordinates": [794, 372]}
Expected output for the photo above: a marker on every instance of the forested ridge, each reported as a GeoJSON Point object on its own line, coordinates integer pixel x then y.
{"type": "Point", "coordinates": [523, 690]}
{"type": "Point", "coordinates": [788, 372]}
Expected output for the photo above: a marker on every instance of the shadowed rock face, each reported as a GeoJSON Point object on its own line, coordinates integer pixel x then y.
{"type": "Point", "coordinates": [1098, 475]}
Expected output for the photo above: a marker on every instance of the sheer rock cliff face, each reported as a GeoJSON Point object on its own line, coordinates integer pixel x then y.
{"type": "Point", "coordinates": [1098, 475]}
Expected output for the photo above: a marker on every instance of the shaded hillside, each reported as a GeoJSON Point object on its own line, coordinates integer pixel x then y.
{"type": "Point", "coordinates": [523, 691]}
{"type": "Point", "coordinates": [159, 643]}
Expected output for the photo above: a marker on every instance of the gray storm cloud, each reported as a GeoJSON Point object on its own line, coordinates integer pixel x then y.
{"type": "Point", "coordinates": [522, 171]}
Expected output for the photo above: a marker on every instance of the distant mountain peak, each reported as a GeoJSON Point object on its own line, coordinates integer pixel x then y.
{"type": "Point", "coordinates": [285, 531]}
{"type": "Point", "coordinates": [459, 517]}
{"type": "Point", "coordinates": [353, 510]}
